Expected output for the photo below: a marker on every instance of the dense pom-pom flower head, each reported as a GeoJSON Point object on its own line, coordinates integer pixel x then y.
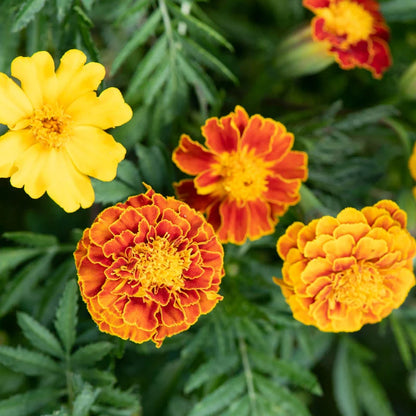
{"type": "Point", "coordinates": [148, 268]}
{"type": "Point", "coordinates": [246, 174]}
{"type": "Point", "coordinates": [355, 32]}
{"type": "Point", "coordinates": [341, 273]}
{"type": "Point", "coordinates": [56, 139]}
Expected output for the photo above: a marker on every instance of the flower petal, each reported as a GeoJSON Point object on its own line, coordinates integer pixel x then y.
{"type": "Point", "coordinates": [221, 134]}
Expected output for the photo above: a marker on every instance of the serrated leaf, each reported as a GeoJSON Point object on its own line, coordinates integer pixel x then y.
{"type": "Point", "coordinates": [287, 370]}
{"type": "Point", "coordinates": [26, 13]}
{"type": "Point", "coordinates": [209, 370]}
{"type": "Point", "coordinates": [84, 401]}
{"type": "Point", "coordinates": [39, 336]}
{"type": "Point", "coordinates": [63, 6]}
{"type": "Point", "coordinates": [200, 27]}
{"type": "Point", "coordinates": [140, 37]}
{"type": "Point", "coordinates": [152, 165]}
{"type": "Point", "coordinates": [240, 407]}
{"type": "Point", "coordinates": [66, 315]}
{"type": "Point", "coordinates": [128, 173]}
{"type": "Point", "coordinates": [27, 403]}
{"type": "Point", "coordinates": [89, 354]}
{"type": "Point", "coordinates": [24, 281]}
{"type": "Point", "coordinates": [152, 59]}
{"type": "Point", "coordinates": [98, 377]}
{"type": "Point", "coordinates": [220, 398]}
{"type": "Point", "coordinates": [344, 382]}
{"type": "Point", "coordinates": [112, 192]}
{"type": "Point", "coordinates": [155, 83]}
{"type": "Point", "coordinates": [203, 56]}
{"type": "Point", "coordinates": [27, 238]}
{"type": "Point", "coordinates": [118, 398]}
{"type": "Point", "coordinates": [29, 362]}
{"type": "Point", "coordinates": [12, 257]}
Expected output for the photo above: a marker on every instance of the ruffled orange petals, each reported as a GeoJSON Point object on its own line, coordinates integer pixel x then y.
{"type": "Point", "coordinates": [148, 268]}
{"type": "Point", "coordinates": [246, 174]}
{"type": "Point", "coordinates": [355, 33]}
{"type": "Point", "coordinates": [344, 272]}
{"type": "Point", "coordinates": [56, 140]}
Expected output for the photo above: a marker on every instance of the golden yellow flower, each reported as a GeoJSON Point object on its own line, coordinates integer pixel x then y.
{"type": "Point", "coordinates": [56, 138]}
{"type": "Point", "coordinates": [341, 273]}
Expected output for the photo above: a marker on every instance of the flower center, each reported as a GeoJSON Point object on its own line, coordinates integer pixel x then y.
{"type": "Point", "coordinates": [243, 175]}
{"type": "Point", "coordinates": [359, 286]}
{"type": "Point", "coordinates": [158, 263]}
{"type": "Point", "coordinates": [348, 19]}
{"type": "Point", "coordinates": [50, 126]}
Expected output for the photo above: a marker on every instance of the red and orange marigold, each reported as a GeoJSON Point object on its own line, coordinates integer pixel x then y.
{"type": "Point", "coordinates": [246, 176]}
{"type": "Point", "coordinates": [355, 32]}
{"type": "Point", "coordinates": [149, 267]}
{"type": "Point", "coordinates": [341, 273]}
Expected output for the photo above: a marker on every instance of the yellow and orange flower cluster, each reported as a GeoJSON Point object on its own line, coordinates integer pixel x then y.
{"type": "Point", "coordinates": [341, 273]}
{"type": "Point", "coordinates": [246, 176]}
{"type": "Point", "coordinates": [148, 268]}
{"type": "Point", "coordinates": [56, 138]}
{"type": "Point", "coordinates": [355, 33]}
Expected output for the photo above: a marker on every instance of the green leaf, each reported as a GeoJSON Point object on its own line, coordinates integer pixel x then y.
{"type": "Point", "coordinates": [155, 83]}
{"type": "Point", "coordinates": [220, 398]}
{"type": "Point", "coordinates": [63, 6]}
{"type": "Point", "coordinates": [206, 57]}
{"type": "Point", "coordinates": [28, 403]}
{"type": "Point", "coordinates": [402, 344]}
{"type": "Point", "coordinates": [39, 336]}
{"type": "Point", "coordinates": [118, 398]}
{"type": "Point", "coordinates": [152, 59]}
{"type": "Point", "coordinates": [84, 401]}
{"type": "Point", "coordinates": [152, 165]}
{"type": "Point", "coordinates": [287, 370]}
{"type": "Point", "coordinates": [199, 27]}
{"type": "Point", "coordinates": [66, 315]}
{"type": "Point", "coordinates": [215, 367]}
{"type": "Point", "coordinates": [98, 377]}
{"type": "Point", "coordinates": [239, 407]}
{"type": "Point", "coordinates": [24, 281]}
{"type": "Point", "coordinates": [399, 10]}
{"type": "Point", "coordinates": [344, 383]}
{"type": "Point", "coordinates": [29, 362]}
{"type": "Point", "coordinates": [370, 392]}
{"type": "Point", "coordinates": [140, 37]}
{"type": "Point", "coordinates": [27, 238]}
{"type": "Point", "coordinates": [12, 257]}
{"type": "Point", "coordinates": [89, 354]}
{"type": "Point", "coordinates": [26, 13]}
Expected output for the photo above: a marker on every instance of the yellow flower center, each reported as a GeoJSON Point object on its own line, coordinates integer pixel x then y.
{"type": "Point", "coordinates": [50, 126]}
{"type": "Point", "coordinates": [243, 175]}
{"type": "Point", "coordinates": [349, 19]}
{"type": "Point", "coordinates": [159, 263]}
{"type": "Point", "coordinates": [359, 286]}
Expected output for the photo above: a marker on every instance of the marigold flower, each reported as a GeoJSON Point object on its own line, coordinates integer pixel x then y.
{"type": "Point", "coordinates": [56, 139]}
{"type": "Point", "coordinates": [355, 32]}
{"type": "Point", "coordinates": [246, 176]}
{"type": "Point", "coordinates": [148, 268]}
{"type": "Point", "coordinates": [341, 273]}
{"type": "Point", "coordinates": [412, 167]}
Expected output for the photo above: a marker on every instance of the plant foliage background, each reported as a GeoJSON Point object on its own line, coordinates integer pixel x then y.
{"type": "Point", "coordinates": [177, 63]}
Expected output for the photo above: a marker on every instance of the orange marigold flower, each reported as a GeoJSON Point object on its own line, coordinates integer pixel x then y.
{"type": "Point", "coordinates": [355, 31]}
{"type": "Point", "coordinates": [341, 273]}
{"type": "Point", "coordinates": [246, 176]}
{"type": "Point", "coordinates": [56, 139]}
{"type": "Point", "coordinates": [412, 167]}
{"type": "Point", "coordinates": [148, 268]}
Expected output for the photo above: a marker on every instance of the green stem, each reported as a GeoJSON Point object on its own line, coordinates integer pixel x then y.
{"type": "Point", "coordinates": [248, 375]}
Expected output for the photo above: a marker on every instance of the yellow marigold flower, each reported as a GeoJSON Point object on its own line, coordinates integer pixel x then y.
{"type": "Point", "coordinates": [56, 138]}
{"type": "Point", "coordinates": [148, 268]}
{"type": "Point", "coordinates": [246, 176]}
{"type": "Point", "coordinates": [412, 167]}
{"type": "Point", "coordinates": [342, 273]}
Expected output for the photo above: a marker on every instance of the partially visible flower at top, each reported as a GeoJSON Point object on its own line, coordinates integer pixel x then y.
{"type": "Point", "coordinates": [355, 33]}
{"type": "Point", "coordinates": [149, 267]}
{"type": "Point", "coordinates": [56, 138]}
{"type": "Point", "coordinates": [412, 167]}
{"type": "Point", "coordinates": [341, 273]}
{"type": "Point", "coordinates": [246, 176]}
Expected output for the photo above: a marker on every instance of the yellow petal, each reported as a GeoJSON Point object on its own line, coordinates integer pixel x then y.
{"type": "Point", "coordinates": [43, 169]}
{"type": "Point", "coordinates": [12, 145]}
{"type": "Point", "coordinates": [75, 79]}
{"type": "Point", "coordinates": [14, 105]}
{"type": "Point", "coordinates": [94, 152]}
{"type": "Point", "coordinates": [37, 77]}
{"type": "Point", "coordinates": [106, 111]}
